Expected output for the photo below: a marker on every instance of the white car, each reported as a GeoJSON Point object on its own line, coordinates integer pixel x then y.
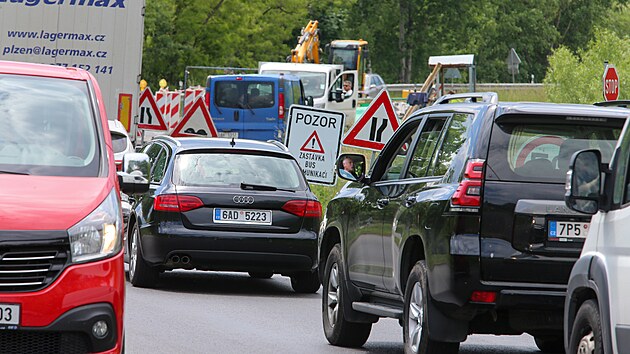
{"type": "Point", "coordinates": [596, 314]}
{"type": "Point", "coordinates": [120, 141]}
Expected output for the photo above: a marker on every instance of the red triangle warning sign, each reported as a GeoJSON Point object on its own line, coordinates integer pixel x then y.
{"type": "Point", "coordinates": [197, 122]}
{"type": "Point", "coordinates": [150, 115]}
{"type": "Point", "coordinates": [376, 125]}
{"type": "Point", "coordinates": [313, 144]}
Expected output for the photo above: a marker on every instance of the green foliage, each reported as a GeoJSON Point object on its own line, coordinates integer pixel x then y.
{"type": "Point", "coordinates": [236, 33]}
{"type": "Point", "coordinates": [577, 78]}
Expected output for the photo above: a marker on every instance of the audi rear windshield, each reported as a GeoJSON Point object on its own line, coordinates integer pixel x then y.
{"type": "Point", "coordinates": [541, 151]}
{"type": "Point", "coordinates": [48, 127]}
{"type": "Point", "coordinates": [232, 170]}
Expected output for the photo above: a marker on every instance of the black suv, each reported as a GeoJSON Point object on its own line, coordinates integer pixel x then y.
{"type": "Point", "coordinates": [224, 205]}
{"type": "Point", "coordinates": [460, 225]}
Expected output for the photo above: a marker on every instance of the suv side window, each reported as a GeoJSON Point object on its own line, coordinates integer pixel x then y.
{"type": "Point", "coordinates": [396, 163]}
{"type": "Point", "coordinates": [454, 139]}
{"type": "Point", "coordinates": [426, 146]}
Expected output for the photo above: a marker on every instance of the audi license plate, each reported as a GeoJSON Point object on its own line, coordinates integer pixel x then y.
{"type": "Point", "coordinates": [10, 314]}
{"type": "Point", "coordinates": [567, 230]}
{"type": "Point", "coordinates": [241, 216]}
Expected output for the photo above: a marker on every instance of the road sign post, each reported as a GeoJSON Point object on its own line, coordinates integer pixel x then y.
{"type": "Point", "coordinates": [314, 139]}
{"type": "Point", "coordinates": [610, 83]}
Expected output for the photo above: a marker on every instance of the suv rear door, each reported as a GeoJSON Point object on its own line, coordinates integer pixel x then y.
{"type": "Point", "coordinates": [528, 235]}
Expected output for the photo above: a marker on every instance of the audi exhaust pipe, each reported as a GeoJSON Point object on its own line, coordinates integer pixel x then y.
{"type": "Point", "coordinates": [175, 259]}
{"type": "Point", "coordinates": [185, 259]}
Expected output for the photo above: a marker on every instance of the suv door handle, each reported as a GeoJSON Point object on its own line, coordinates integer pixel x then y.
{"type": "Point", "coordinates": [236, 116]}
{"type": "Point", "coordinates": [381, 203]}
{"type": "Point", "coordinates": [410, 201]}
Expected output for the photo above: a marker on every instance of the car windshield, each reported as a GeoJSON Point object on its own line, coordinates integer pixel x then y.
{"type": "Point", "coordinates": [230, 170]}
{"type": "Point", "coordinates": [48, 127]}
{"type": "Point", "coordinates": [314, 83]}
{"type": "Point", "coordinates": [542, 152]}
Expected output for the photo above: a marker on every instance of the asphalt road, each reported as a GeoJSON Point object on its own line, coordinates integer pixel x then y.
{"type": "Point", "coordinates": [213, 312]}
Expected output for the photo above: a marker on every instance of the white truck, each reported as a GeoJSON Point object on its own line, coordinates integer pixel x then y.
{"type": "Point", "coordinates": [322, 82]}
{"type": "Point", "coordinates": [104, 37]}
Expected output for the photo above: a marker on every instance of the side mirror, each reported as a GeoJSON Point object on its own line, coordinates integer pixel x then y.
{"type": "Point", "coordinates": [134, 178]}
{"type": "Point", "coordinates": [351, 167]}
{"type": "Point", "coordinates": [584, 182]}
{"type": "Point", "coordinates": [309, 101]}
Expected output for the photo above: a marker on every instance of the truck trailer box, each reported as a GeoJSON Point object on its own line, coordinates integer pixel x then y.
{"type": "Point", "coordinates": [104, 37]}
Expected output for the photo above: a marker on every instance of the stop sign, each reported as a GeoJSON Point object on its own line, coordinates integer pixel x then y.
{"type": "Point", "coordinates": [611, 83]}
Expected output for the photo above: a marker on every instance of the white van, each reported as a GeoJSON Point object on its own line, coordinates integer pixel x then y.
{"type": "Point", "coordinates": [322, 82]}
{"type": "Point", "coordinates": [596, 315]}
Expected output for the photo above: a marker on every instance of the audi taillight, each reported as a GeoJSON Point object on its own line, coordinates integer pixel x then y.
{"type": "Point", "coordinates": [281, 105]}
{"type": "Point", "coordinates": [468, 193]}
{"type": "Point", "coordinates": [304, 208]}
{"type": "Point", "coordinates": [176, 203]}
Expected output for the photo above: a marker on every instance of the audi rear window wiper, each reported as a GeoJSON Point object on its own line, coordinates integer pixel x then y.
{"type": "Point", "coordinates": [262, 187]}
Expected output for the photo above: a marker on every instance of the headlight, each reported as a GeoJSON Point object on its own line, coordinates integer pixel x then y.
{"type": "Point", "coordinates": [99, 234]}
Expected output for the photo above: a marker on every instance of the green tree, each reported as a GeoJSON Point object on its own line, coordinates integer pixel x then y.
{"type": "Point", "coordinates": [577, 78]}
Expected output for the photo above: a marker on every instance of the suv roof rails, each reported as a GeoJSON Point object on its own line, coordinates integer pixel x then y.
{"type": "Point", "coordinates": [481, 97]}
{"type": "Point", "coordinates": [168, 137]}
{"type": "Point", "coordinates": [278, 144]}
{"type": "Point", "coordinates": [617, 103]}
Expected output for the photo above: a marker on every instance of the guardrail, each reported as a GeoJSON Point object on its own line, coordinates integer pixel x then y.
{"type": "Point", "coordinates": [396, 88]}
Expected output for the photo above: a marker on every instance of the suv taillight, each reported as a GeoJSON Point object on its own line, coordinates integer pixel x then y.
{"type": "Point", "coordinates": [281, 105]}
{"type": "Point", "coordinates": [208, 99]}
{"type": "Point", "coordinates": [176, 203]}
{"type": "Point", "coordinates": [304, 208]}
{"type": "Point", "coordinates": [468, 192]}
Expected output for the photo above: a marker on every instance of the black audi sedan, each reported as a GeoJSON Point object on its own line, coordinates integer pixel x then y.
{"type": "Point", "coordinates": [224, 205]}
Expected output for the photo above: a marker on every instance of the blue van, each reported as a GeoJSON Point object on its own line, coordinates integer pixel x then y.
{"type": "Point", "coordinates": [252, 106]}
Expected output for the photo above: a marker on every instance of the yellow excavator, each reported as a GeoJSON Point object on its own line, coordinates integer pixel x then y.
{"type": "Point", "coordinates": [307, 49]}
{"type": "Point", "coordinates": [352, 54]}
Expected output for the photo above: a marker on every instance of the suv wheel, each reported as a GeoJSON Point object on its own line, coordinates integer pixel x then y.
{"type": "Point", "coordinates": [586, 334]}
{"type": "Point", "coordinates": [550, 344]}
{"type": "Point", "coordinates": [415, 332]}
{"type": "Point", "coordinates": [305, 282]}
{"type": "Point", "coordinates": [140, 273]}
{"type": "Point", "coordinates": [260, 275]}
{"type": "Point", "coordinates": [337, 329]}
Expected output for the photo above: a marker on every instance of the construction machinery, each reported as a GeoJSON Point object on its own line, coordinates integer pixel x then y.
{"type": "Point", "coordinates": [307, 49]}
{"type": "Point", "coordinates": [352, 54]}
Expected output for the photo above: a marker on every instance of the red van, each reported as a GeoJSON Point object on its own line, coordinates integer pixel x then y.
{"type": "Point", "coordinates": [62, 279]}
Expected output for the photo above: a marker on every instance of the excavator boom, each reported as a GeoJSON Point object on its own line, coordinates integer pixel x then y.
{"type": "Point", "coordinates": [307, 49]}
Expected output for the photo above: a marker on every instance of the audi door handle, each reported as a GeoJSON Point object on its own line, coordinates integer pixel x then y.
{"type": "Point", "coordinates": [382, 203]}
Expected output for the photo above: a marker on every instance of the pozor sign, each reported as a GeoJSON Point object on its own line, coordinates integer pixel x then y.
{"type": "Point", "coordinates": [314, 139]}
{"type": "Point", "coordinates": [611, 83]}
